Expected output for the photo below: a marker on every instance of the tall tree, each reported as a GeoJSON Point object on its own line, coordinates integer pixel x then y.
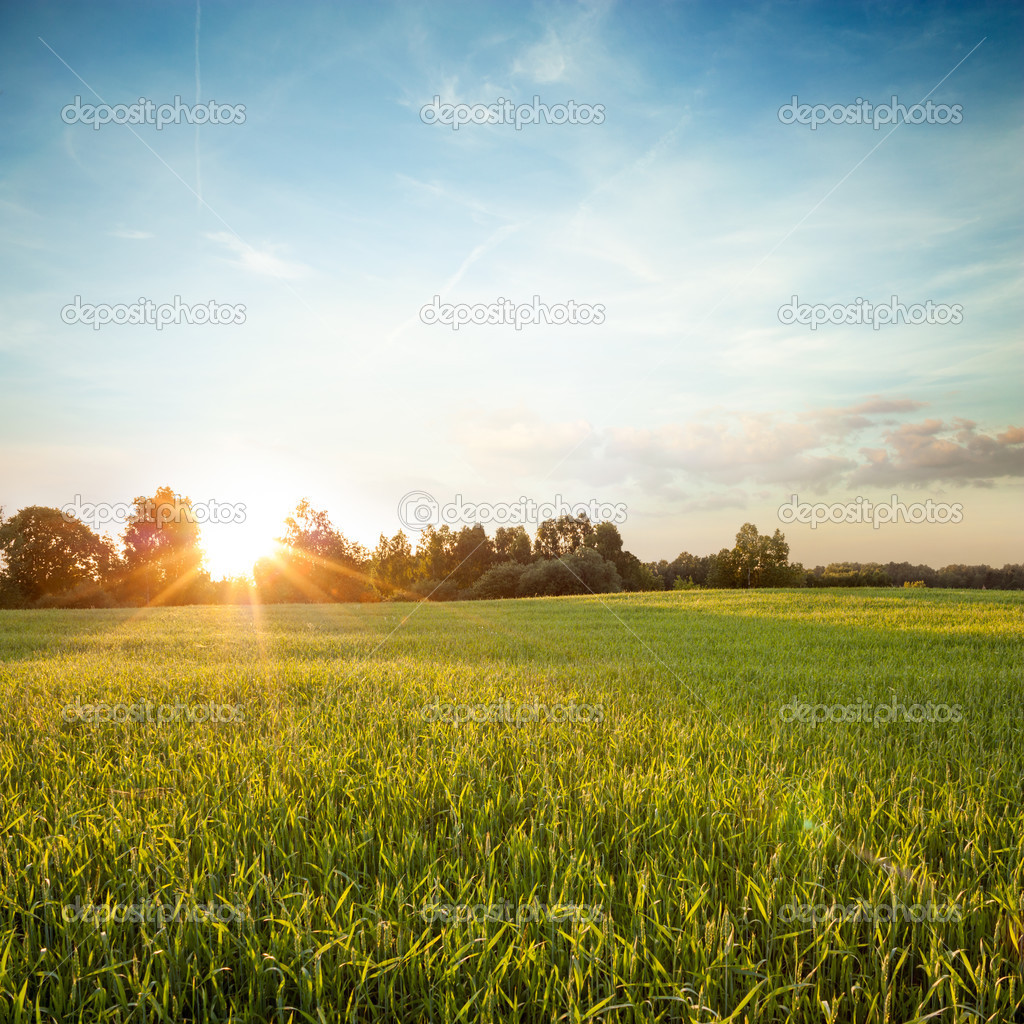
{"type": "Point", "coordinates": [474, 555]}
{"type": "Point", "coordinates": [316, 563]}
{"type": "Point", "coordinates": [562, 536]}
{"type": "Point", "coordinates": [512, 544]}
{"type": "Point", "coordinates": [46, 554]}
{"type": "Point", "coordinates": [162, 551]}
{"type": "Point", "coordinates": [393, 564]}
{"type": "Point", "coordinates": [607, 542]}
{"type": "Point", "coordinates": [435, 553]}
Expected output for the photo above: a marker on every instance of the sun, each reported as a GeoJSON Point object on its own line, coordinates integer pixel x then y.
{"type": "Point", "coordinates": [233, 548]}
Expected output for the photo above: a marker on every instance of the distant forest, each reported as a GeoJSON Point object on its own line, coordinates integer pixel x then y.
{"type": "Point", "coordinates": [49, 559]}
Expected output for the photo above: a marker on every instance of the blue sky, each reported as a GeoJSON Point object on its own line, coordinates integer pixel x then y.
{"type": "Point", "coordinates": [692, 213]}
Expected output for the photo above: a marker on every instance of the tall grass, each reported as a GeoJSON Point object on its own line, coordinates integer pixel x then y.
{"type": "Point", "coordinates": [690, 819]}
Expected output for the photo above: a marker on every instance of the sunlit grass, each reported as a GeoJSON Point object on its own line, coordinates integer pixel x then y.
{"type": "Point", "coordinates": [691, 814]}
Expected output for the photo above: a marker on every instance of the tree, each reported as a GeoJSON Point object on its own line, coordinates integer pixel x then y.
{"type": "Point", "coordinates": [607, 542]}
{"type": "Point", "coordinates": [473, 554]}
{"type": "Point", "coordinates": [684, 567]}
{"type": "Point", "coordinates": [316, 563]}
{"type": "Point", "coordinates": [560, 536]}
{"type": "Point", "coordinates": [49, 555]}
{"type": "Point", "coordinates": [435, 553]}
{"type": "Point", "coordinates": [758, 560]}
{"type": "Point", "coordinates": [512, 544]}
{"type": "Point", "coordinates": [162, 551]}
{"type": "Point", "coordinates": [723, 571]}
{"type": "Point", "coordinates": [393, 565]}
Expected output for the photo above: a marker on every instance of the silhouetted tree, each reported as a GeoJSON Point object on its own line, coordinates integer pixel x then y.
{"type": "Point", "coordinates": [46, 555]}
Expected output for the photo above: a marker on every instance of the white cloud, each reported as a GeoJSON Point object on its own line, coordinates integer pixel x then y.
{"type": "Point", "coordinates": [258, 261]}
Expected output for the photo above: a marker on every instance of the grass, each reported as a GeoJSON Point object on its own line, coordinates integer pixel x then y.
{"type": "Point", "coordinates": [654, 865]}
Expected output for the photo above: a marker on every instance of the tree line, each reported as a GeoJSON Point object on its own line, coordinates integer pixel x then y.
{"type": "Point", "coordinates": [48, 559]}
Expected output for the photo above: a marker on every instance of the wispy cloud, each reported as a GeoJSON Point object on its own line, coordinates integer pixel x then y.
{"type": "Point", "coordinates": [264, 262]}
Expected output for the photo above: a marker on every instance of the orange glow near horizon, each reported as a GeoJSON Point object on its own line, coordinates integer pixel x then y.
{"type": "Point", "coordinates": [232, 549]}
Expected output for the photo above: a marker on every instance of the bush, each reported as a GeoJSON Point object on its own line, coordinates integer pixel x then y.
{"type": "Point", "coordinates": [498, 582]}
{"type": "Point", "coordinates": [434, 590]}
{"type": "Point", "coordinates": [85, 595]}
{"type": "Point", "coordinates": [582, 572]}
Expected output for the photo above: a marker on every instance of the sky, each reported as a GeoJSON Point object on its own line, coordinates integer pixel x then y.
{"type": "Point", "coordinates": [689, 213]}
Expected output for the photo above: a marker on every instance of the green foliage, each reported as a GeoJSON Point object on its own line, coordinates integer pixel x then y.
{"type": "Point", "coordinates": [500, 581]}
{"type": "Point", "coordinates": [561, 536]}
{"type": "Point", "coordinates": [436, 590]}
{"type": "Point", "coordinates": [512, 544]}
{"type": "Point", "coordinates": [393, 565]}
{"type": "Point", "coordinates": [47, 555]}
{"type": "Point", "coordinates": [581, 572]}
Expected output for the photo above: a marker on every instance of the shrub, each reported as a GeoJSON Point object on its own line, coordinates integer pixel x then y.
{"type": "Point", "coordinates": [85, 595]}
{"type": "Point", "coordinates": [434, 590]}
{"type": "Point", "coordinates": [582, 572]}
{"type": "Point", "coordinates": [498, 582]}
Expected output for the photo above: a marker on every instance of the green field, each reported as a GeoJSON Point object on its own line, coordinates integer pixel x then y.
{"type": "Point", "coordinates": [651, 859]}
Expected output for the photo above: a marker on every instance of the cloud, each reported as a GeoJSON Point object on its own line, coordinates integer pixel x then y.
{"type": "Point", "coordinates": [543, 62]}
{"type": "Point", "coordinates": [931, 451]}
{"type": "Point", "coordinates": [258, 261]}
{"type": "Point", "coordinates": [520, 442]}
{"type": "Point", "coordinates": [843, 421]}
{"type": "Point", "coordinates": [130, 233]}
{"type": "Point", "coordinates": [717, 454]}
